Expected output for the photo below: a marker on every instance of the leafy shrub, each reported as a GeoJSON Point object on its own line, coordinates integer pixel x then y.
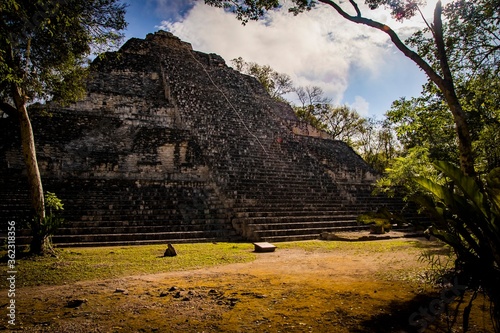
{"type": "Point", "coordinates": [466, 216]}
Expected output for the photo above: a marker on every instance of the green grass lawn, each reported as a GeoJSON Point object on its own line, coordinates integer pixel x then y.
{"type": "Point", "coordinates": [80, 264]}
{"type": "Point", "coordinates": [83, 264]}
{"type": "Point", "coordinates": [365, 246]}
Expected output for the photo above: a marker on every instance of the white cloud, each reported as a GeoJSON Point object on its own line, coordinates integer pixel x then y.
{"type": "Point", "coordinates": [315, 48]}
{"type": "Point", "coordinates": [361, 106]}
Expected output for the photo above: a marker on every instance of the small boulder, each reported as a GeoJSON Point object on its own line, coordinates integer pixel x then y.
{"type": "Point", "coordinates": [170, 251]}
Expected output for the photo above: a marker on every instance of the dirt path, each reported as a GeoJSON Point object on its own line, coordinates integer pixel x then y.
{"type": "Point", "coordinates": [289, 290]}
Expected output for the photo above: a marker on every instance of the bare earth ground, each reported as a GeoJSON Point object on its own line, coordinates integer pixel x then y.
{"type": "Point", "coordinates": [290, 290]}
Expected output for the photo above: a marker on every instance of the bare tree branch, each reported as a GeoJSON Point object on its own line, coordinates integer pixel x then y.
{"type": "Point", "coordinates": [435, 77]}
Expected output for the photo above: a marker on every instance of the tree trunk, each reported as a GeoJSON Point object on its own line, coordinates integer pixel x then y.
{"type": "Point", "coordinates": [463, 132]}
{"type": "Point", "coordinates": [38, 244]}
{"type": "Point", "coordinates": [448, 89]}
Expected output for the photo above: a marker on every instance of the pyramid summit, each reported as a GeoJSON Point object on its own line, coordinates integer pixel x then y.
{"type": "Point", "coordinates": [172, 145]}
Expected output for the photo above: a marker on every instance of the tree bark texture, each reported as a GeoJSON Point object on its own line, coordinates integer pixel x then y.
{"type": "Point", "coordinates": [449, 92]}
{"type": "Point", "coordinates": [33, 173]}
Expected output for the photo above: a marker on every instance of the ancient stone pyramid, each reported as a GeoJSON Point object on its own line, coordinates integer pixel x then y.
{"type": "Point", "coordinates": [172, 145]}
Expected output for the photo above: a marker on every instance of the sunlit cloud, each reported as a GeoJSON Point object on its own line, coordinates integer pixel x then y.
{"type": "Point", "coordinates": [361, 106]}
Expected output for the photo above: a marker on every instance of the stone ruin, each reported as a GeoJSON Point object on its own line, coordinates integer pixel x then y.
{"type": "Point", "coordinates": [172, 145]}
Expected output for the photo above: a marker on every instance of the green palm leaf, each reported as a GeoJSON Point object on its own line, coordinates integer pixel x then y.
{"type": "Point", "coordinates": [467, 185]}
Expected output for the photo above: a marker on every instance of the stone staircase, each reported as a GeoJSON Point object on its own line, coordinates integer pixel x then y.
{"type": "Point", "coordinates": [286, 219]}
{"type": "Point", "coordinates": [282, 186]}
{"type": "Point", "coordinates": [171, 145]}
{"type": "Point", "coordinates": [121, 213]}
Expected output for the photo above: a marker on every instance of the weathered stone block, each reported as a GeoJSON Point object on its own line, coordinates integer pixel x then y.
{"type": "Point", "coordinates": [264, 247]}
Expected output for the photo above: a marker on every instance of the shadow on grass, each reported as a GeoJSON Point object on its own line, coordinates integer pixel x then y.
{"type": "Point", "coordinates": [434, 247]}
{"type": "Point", "coordinates": [400, 317]}
{"type": "Point", "coordinates": [22, 253]}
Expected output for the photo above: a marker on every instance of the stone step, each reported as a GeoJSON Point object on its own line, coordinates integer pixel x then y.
{"type": "Point", "coordinates": [289, 238]}
{"type": "Point", "coordinates": [294, 219]}
{"type": "Point", "coordinates": [275, 205]}
{"type": "Point", "coordinates": [95, 226]}
{"type": "Point", "coordinates": [267, 187]}
{"type": "Point", "coordinates": [289, 212]}
{"type": "Point", "coordinates": [302, 225]}
{"type": "Point", "coordinates": [147, 242]}
{"type": "Point", "coordinates": [145, 216]}
{"type": "Point", "coordinates": [135, 239]}
{"type": "Point", "coordinates": [302, 234]}
{"type": "Point", "coordinates": [299, 231]}
{"type": "Point", "coordinates": [135, 230]}
{"type": "Point", "coordinates": [132, 237]}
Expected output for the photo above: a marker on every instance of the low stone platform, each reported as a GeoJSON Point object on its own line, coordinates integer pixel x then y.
{"type": "Point", "coordinates": [367, 236]}
{"type": "Point", "coordinates": [264, 247]}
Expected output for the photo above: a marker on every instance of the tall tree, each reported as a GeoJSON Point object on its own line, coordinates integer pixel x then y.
{"type": "Point", "coordinates": [377, 143]}
{"type": "Point", "coordinates": [423, 122]}
{"type": "Point", "coordinates": [312, 98]}
{"type": "Point", "coordinates": [342, 122]}
{"type": "Point", "coordinates": [472, 40]}
{"type": "Point", "coordinates": [276, 84]}
{"type": "Point", "coordinates": [43, 49]}
{"type": "Point", "coordinates": [313, 102]}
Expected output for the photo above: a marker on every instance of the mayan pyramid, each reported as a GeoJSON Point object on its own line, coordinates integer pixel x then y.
{"type": "Point", "coordinates": [172, 145]}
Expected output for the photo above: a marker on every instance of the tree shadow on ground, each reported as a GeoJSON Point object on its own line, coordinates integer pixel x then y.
{"type": "Point", "coordinates": [395, 317]}
{"type": "Point", "coordinates": [434, 248]}
{"type": "Point", "coordinates": [412, 316]}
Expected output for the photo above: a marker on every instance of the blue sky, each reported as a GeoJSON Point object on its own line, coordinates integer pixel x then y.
{"type": "Point", "coordinates": [354, 65]}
